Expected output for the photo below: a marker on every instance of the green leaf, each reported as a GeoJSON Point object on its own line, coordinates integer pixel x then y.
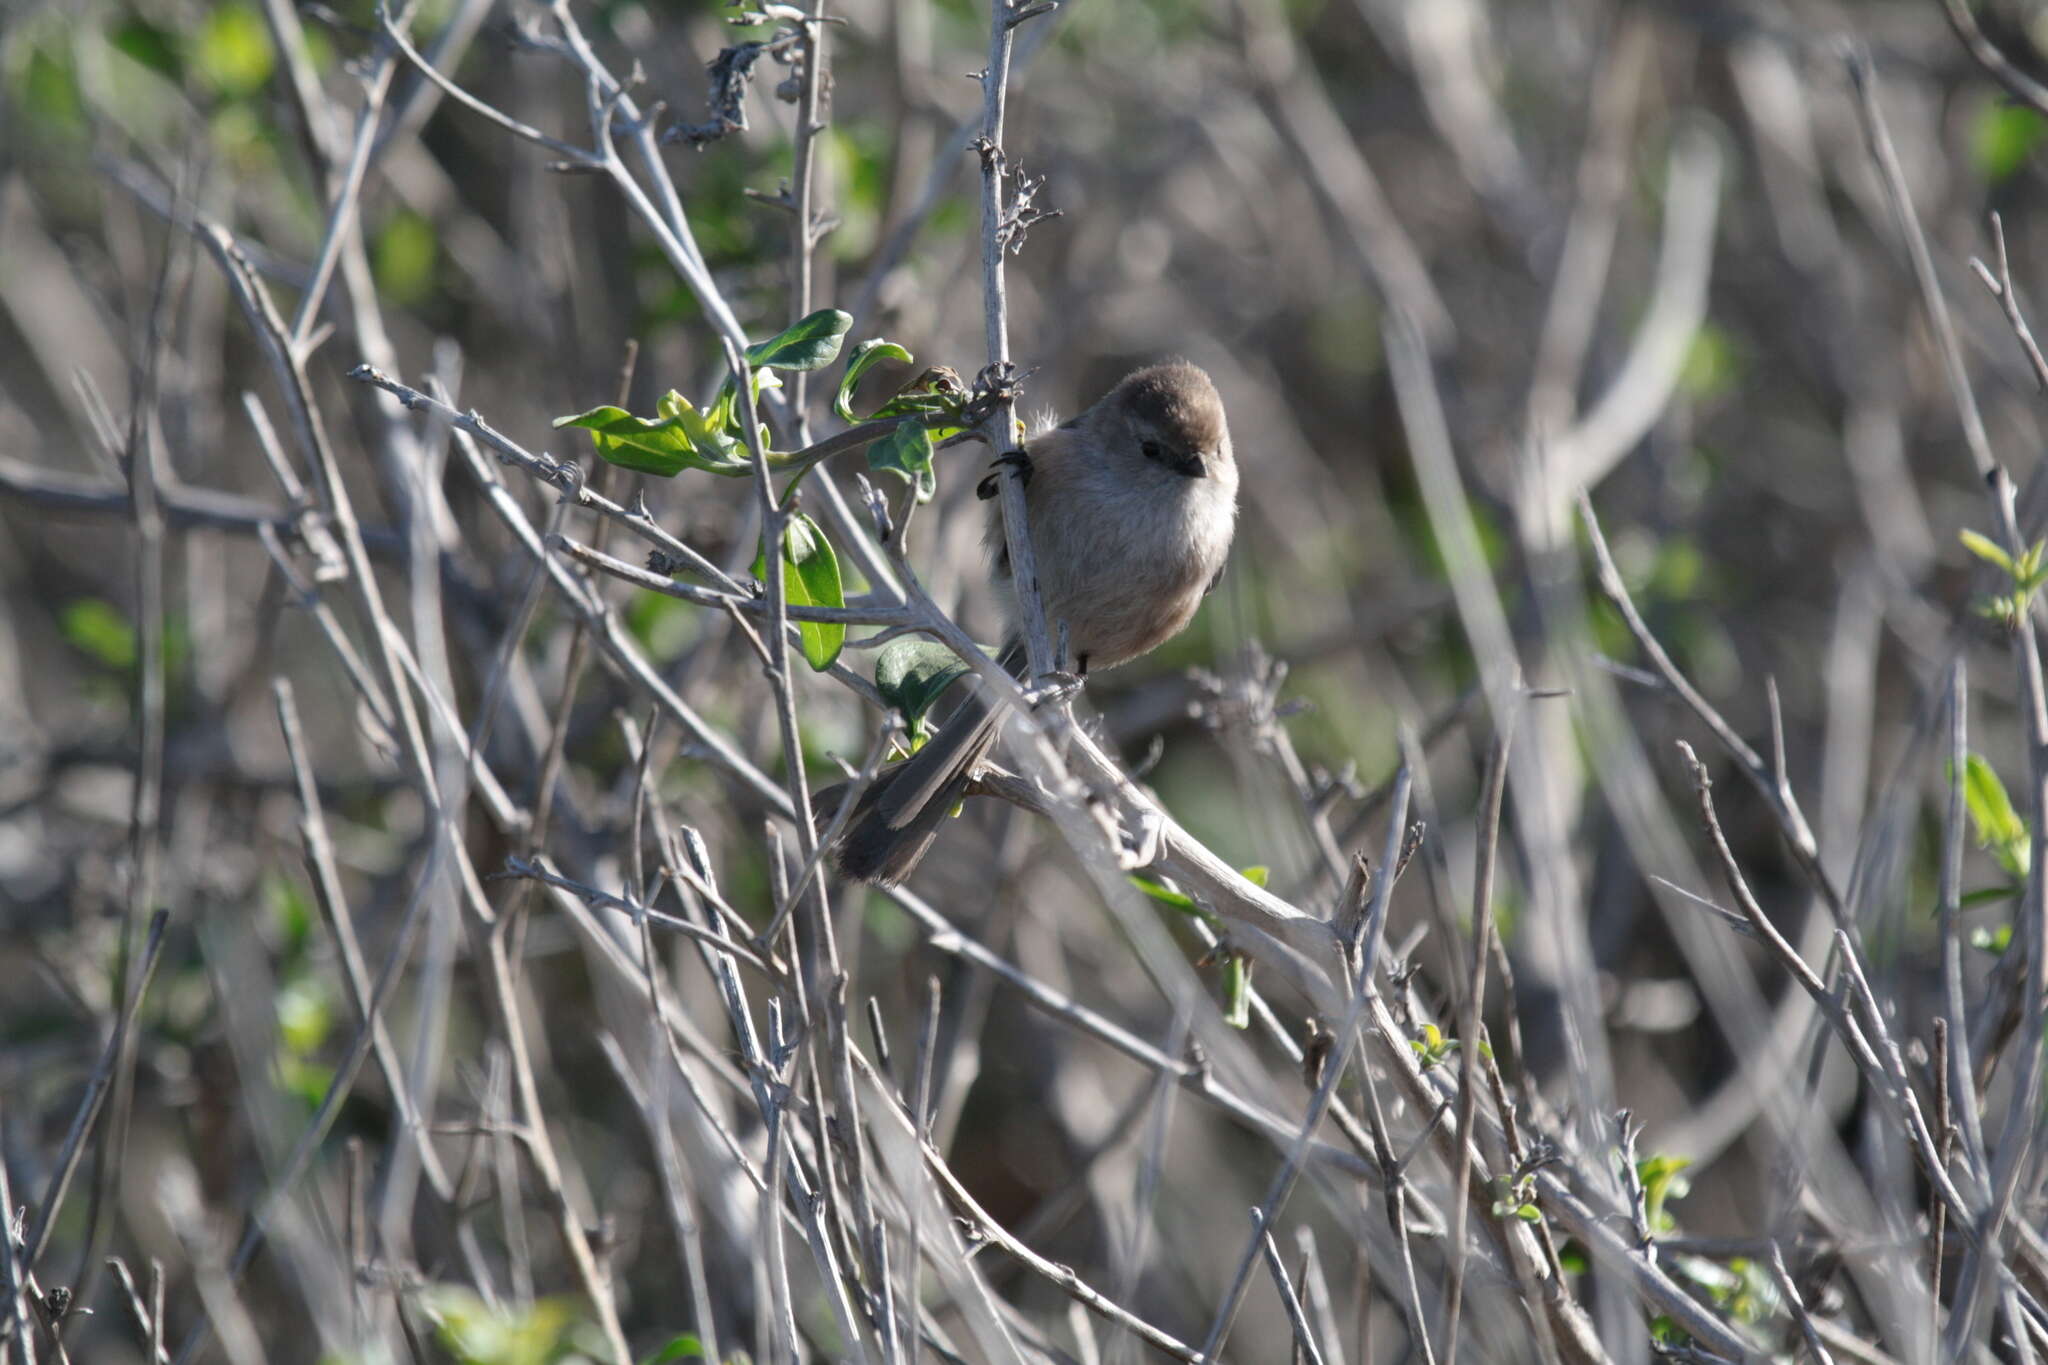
{"type": "Point", "coordinates": [1237, 991]}
{"type": "Point", "coordinates": [1986, 549]}
{"type": "Point", "coordinates": [290, 911]}
{"type": "Point", "coordinates": [723, 414]}
{"type": "Point", "coordinates": [1712, 364]}
{"type": "Point", "coordinates": [403, 258]}
{"type": "Point", "coordinates": [684, 1347]}
{"type": "Point", "coordinates": [1168, 897]}
{"type": "Point", "coordinates": [864, 358]}
{"type": "Point", "coordinates": [907, 451]}
{"type": "Point", "coordinates": [1432, 1048]}
{"type": "Point", "coordinates": [98, 629]}
{"type": "Point", "coordinates": [711, 436]}
{"type": "Point", "coordinates": [810, 578]}
{"type": "Point", "coordinates": [2029, 574]}
{"type": "Point", "coordinates": [148, 45]}
{"type": "Point", "coordinates": [232, 50]}
{"type": "Point", "coordinates": [304, 1015]}
{"type": "Point", "coordinates": [2002, 138]}
{"type": "Point", "coordinates": [811, 343]}
{"type": "Point", "coordinates": [305, 1080]}
{"type": "Point", "coordinates": [912, 675]}
{"type": "Point", "coordinates": [925, 404]}
{"type": "Point", "coordinates": [1663, 1180]}
{"type": "Point", "coordinates": [1256, 874]}
{"type": "Point", "coordinates": [1993, 941]}
{"type": "Point", "coordinates": [651, 447]}
{"type": "Point", "coordinates": [1999, 827]}
{"type": "Point", "coordinates": [477, 1334]}
{"type": "Point", "coordinates": [678, 440]}
{"type": "Point", "coordinates": [48, 89]}
{"type": "Point", "coordinates": [2007, 609]}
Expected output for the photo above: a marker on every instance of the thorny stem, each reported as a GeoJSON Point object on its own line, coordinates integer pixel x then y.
{"type": "Point", "coordinates": [1474, 1006]}
{"type": "Point", "coordinates": [1000, 427]}
{"type": "Point", "coordinates": [804, 229]}
{"type": "Point", "coordinates": [2012, 1155]}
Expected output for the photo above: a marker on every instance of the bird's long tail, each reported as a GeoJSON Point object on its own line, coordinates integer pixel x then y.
{"type": "Point", "coordinates": [899, 815]}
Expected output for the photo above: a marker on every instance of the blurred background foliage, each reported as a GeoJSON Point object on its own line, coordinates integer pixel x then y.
{"type": "Point", "coordinates": [1790, 515]}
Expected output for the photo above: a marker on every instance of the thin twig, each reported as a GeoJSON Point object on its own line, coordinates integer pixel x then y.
{"type": "Point", "coordinates": [1474, 1007]}
{"type": "Point", "coordinates": [1304, 1336]}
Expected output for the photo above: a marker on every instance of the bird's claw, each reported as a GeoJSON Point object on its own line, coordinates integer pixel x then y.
{"type": "Point", "coordinates": [1054, 686]}
{"type": "Point", "coordinates": [1144, 844]}
{"type": "Point", "coordinates": [1019, 459]}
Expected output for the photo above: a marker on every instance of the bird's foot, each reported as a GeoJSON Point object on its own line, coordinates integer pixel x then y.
{"type": "Point", "coordinates": [1019, 459]}
{"type": "Point", "coordinates": [1056, 686]}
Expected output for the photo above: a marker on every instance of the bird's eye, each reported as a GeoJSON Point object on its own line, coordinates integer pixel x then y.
{"type": "Point", "coordinates": [1152, 451]}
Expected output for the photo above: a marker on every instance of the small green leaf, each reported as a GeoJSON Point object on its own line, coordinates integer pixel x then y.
{"type": "Point", "coordinates": [1986, 896]}
{"type": "Point", "coordinates": [811, 343]}
{"type": "Point", "coordinates": [1663, 1180]}
{"type": "Point", "coordinates": [864, 358]}
{"type": "Point", "coordinates": [290, 911]}
{"type": "Point", "coordinates": [304, 1015]}
{"type": "Point", "coordinates": [810, 578]}
{"type": "Point", "coordinates": [907, 451]}
{"type": "Point", "coordinates": [403, 258]}
{"type": "Point", "coordinates": [2007, 609]}
{"type": "Point", "coordinates": [1432, 1048]}
{"type": "Point", "coordinates": [680, 439]}
{"type": "Point", "coordinates": [48, 89]}
{"type": "Point", "coordinates": [1237, 991]}
{"type": "Point", "coordinates": [1999, 827]}
{"type": "Point", "coordinates": [1712, 363]}
{"type": "Point", "coordinates": [1170, 898]}
{"type": "Point", "coordinates": [99, 630]}
{"type": "Point", "coordinates": [723, 414]}
{"type": "Point", "coordinates": [1993, 941]}
{"type": "Point", "coordinates": [149, 46]}
{"type": "Point", "coordinates": [1529, 1213]}
{"type": "Point", "coordinates": [304, 1079]}
{"type": "Point", "coordinates": [709, 437]}
{"type": "Point", "coordinates": [478, 1334]}
{"type": "Point", "coordinates": [1256, 874]}
{"type": "Point", "coordinates": [2003, 136]}
{"type": "Point", "coordinates": [923, 404]}
{"type": "Point", "coordinates": [912, 675]}
{"type": "Point", "coordinates": [1986, 549]}
{"type": "Point", "coordinates": [2028, 570]}
{"type": "Point", "coordinates": [684, 1347]}
{"type": "Point", "coordinates": [232, 50]}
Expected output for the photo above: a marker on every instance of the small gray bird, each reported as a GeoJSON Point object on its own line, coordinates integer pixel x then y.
{"type": "Point", "coordinates": [1131, 507]}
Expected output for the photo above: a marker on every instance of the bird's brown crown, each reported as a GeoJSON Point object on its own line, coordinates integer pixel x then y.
{"type": "Point", "coordinates": [1178, 401]}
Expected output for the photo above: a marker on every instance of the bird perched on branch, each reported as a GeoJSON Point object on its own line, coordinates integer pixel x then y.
{"type": "Point", "coordinates": [1131, 507]}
